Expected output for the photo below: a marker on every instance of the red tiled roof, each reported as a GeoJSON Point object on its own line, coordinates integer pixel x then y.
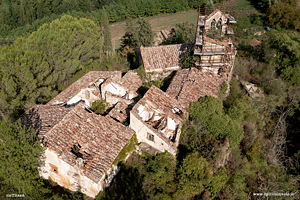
{"type": "Point", "coordinates": [132, 80]}
{"type": "Point", "coordinates": [165, 56]}
{"type": "Point", "coordinates": [82, 83]}
{"type": "Point", "coordinates": [120, 111]}
{"type": "Point", "coordinates": [188, 85]}
{"type": "Point", "coordinates": [44, 117]}
{"type": "Point", "coordinates": [254, 42]}
{"type": "Point", "coordinates": [101, 138]}
{"type": "Point", "coordinates": [163, 102]}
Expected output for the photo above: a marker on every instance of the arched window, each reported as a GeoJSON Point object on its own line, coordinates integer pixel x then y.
{"type": "Point", "coordinates": [219, 24]}
{"type": "Point", "coordinates": [213, 24]}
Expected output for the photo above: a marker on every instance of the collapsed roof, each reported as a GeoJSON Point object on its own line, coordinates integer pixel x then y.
{"type": "Point", "coordinates": [160, 113]}
{"type": "Point", "coordinates": [84, 82]}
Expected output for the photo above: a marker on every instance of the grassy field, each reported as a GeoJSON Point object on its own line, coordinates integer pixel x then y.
{"type": "Point", "coordinates": [167, 21]}
{"type": "Point", "coordinates": [159, 22]}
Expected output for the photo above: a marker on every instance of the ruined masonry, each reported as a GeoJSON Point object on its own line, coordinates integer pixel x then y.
{"type": "Point", "coordinates": [81, 145]}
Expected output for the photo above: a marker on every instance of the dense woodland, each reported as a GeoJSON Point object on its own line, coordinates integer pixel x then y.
{"type": "Point", "coordinates": [47, 45]}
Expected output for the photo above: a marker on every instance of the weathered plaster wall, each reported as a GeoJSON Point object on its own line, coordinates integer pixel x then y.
{"type": "Point", "coordinates": [141, 133]}
{"type": "Point", "coordinates": [113, 88]}
{"type": "Point", "coordinates": [69, 177]}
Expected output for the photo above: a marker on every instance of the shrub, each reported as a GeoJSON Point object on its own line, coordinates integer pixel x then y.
{"type": "Point", "coordinates": [99, 107]}
{"type": "Point", "coordinates": [130, 146]}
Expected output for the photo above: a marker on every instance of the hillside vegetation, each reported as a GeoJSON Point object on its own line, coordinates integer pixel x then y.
{"type": "Point", "coordinates": [230, 148]}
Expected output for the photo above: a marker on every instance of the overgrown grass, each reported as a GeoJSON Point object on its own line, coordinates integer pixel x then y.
{"type": "Point", "coordinates": [130, 146]}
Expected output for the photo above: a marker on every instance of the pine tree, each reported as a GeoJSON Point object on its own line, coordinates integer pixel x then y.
{"type": "Point", "coordinates": [107, 38]}
{"type": "Point", "coordinates": [21, 156]}
{"type": "Point", "coordinates": [70, 5]}
{"type": "Point", "coordinates": [144, 34]}
{"type": "Point", "coordinates": [31, 68]}
{"type": "Point", "coordinates": [84, 5]}
{"type": "Point", "coordinates": [138, 34]}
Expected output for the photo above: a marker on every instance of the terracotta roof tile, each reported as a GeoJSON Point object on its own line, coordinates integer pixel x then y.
{"type": "Point", "coordinates": [188, 85]}
{"type": "Point", "coordinates": [83, 83]}
{"type": "Point", "coordinates": [254, 42]}
{"type": "Point", "coordinates": [159, 100]}
{"type": "Point", "coordinates": [44, 117]}
{"type": "Point", "coordinates": [120, 111]}
{"type": "Point", "coordinates": [165, 56]}
{"type": "Point", "coordinates": [101, 138]}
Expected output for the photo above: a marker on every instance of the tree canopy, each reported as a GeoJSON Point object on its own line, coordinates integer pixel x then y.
{"type": "Point", "coordinates": [21, 156]}
{"type": "Point", "coordinates": [32, 67]}
{"type": "Point", "coordinates": [209, 111]}
{"type": "Point", "coordinates": [182, 33]}
{"type": "Point", "coordinates": [138, 34]}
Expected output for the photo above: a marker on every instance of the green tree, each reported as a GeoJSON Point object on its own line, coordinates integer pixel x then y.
{"type": "Point", "coordinates": [21, 157]}
{"type": "Point", "coordinates": [70, 5]}
{"type": "Point", "coordinates": [28, 10]}
{"type": "Point", "coordinates": [84, 5]}
{"type": "Point", "coordinates": [194, 174]}
{"type": "Point", "coordinates": [161, 171]}
{"type": "Point", "coordinates": [284, 15]}
{"type": "Point", "coordinates": [209, 111]}
{"type": "Point", "coordinates": [7, 16]}
{"type": "Point", "coordinates": [287, 55]}
{"type": "Point", "coordinates": [182, 33]}
{"type": "Point", "coordinates": [43, 8]}
{"type": "Point", "coordinates": [217, 182]}
{"type": "Point", "coordinates": [99, 107]}
{"type": "Point", "coordinates": [56, 6]}
{"type": "Point", "coordinates": [188, 60]}
{"type": "Point", "coordinates": [46, 58]}
{"type": "Point", "coordinates": [138, 34]}
{"type": "Point", "coordinates": [107, 37]}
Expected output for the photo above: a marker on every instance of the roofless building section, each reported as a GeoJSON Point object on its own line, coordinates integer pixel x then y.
{"type": "Point", "coordinates": [214, 49]}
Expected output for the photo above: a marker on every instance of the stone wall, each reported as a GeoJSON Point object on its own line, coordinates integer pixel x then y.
{"type": "Point", "coordinates": [69, 177]}
{"type": "Point", "coordinates": [159, 76]}
{"type": "Point", "coordinates": [215, 16]}
{"type": "Point", "coordinates": [142, 135]}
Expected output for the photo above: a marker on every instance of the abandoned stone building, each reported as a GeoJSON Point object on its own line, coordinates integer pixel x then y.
{"type": "Point", "coordinates": [119, 88]}
{"type": "Point", "coordinates": [162, 60]}
{"type": "Point", "coordinates": [188, 85]}
{"type": "Point", "coordinates": [80, 145]}
{"type": "Point", "coordinates": [214, 49]}
{"type": "Point", "coordinates": [156, 121]}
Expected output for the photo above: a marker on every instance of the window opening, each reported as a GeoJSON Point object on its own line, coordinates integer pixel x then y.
{"type": "Point", "coordinates": [219, 24]}
{"type": "Point", "coordinates": [53, 168]}
{"type": "Point", "coordinates": [213, 24]}
{"type": "Point", "coordinates": [150, 137]}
